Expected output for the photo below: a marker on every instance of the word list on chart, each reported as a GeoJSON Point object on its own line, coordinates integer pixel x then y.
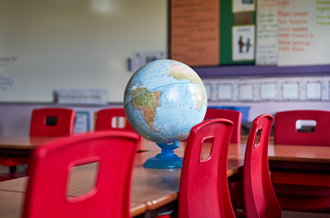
{"type": "Point", "coordinates": [303, 32]}
{"type": "Point", "coordinates": [266, 32]}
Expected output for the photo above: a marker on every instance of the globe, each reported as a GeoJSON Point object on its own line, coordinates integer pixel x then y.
{"type": "Point", "coordinates": [163, 100]}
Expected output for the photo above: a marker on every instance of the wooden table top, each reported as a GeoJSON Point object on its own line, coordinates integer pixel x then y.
{"type": "Point", "coordinates": [295, 153]}
{"type": "Point", "coordinates": [24, 142]}
{"type": "Point", "coordinates": [27, 142]}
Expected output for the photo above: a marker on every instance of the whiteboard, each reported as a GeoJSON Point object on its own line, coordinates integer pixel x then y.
{"type": "Point", "coordinates": [47, 45]}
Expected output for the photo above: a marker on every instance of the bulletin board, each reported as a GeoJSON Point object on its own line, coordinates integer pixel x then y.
{"type": "Point", "coordinates": [203, 33]}
{"type": "Point", "coordinates": [248, 38]}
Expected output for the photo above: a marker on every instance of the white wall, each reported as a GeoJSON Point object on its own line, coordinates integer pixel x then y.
{"type": "Point", "coordinates": [77, 44]}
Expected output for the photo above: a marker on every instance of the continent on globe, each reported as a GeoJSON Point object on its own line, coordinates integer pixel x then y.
{"type": "Point", "coordinates": [146, 104]}
{"type": "Point", "coordinates": [180, 72]}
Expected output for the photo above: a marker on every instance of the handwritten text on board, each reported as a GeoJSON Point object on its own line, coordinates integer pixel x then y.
{"type": "Point", "coordinates": [303, 32]}
{"type": "Point", "coordinates": [266, 32]}
{"type": "Point", "coordinates": [194, 32]}
{"type": "Point", "coordinates": [6, 81]}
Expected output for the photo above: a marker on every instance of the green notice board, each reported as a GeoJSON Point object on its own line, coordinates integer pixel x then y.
{"type": "Point", "coordinates": [227, 18]}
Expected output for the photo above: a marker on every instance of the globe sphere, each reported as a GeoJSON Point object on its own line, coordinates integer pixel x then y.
{"type": "Point", "coordinates": [164, 99]}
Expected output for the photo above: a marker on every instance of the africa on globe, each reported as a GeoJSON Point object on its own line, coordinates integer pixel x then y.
{"type": "Point", "coordinates": [164, 99]}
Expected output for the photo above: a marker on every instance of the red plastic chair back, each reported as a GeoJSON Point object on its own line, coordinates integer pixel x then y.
{"type": "Point", "coordinates": [104, 121]}
{"type": "Point", "coordinates": [296, 185]}
{"type": "Point", "coordinates": [287, 134]}
{"type": "Point", "coordinates": [204, 188]}
{"type": "Point", "coordinates": [50, 122]}
{"type": "Point", "coordinates": [105, 117]}
{"type": "Point", "coordinates": [234, 116]}
{"type": "Point", "coordinates": [51, 164]}
{"type": "Point", "coordinates": [259, 197]}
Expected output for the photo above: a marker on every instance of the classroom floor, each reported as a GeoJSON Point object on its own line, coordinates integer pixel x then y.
{"type": "Point", "coordinates": [285, 214]}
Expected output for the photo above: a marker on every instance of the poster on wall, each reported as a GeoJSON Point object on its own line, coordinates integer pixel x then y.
{"type": "Point", "coordinates": [141, 58]}
{"type": "Point", "coordinates": [194, 32]}
{"type": "Point", "coordinates": [243, 42]}
{"type": "Point", "coordinates": [243, 5]}
{"type": "Point", "coordinates": [303, 32]}
{"type": "Point", "coordinates": [266, 49]}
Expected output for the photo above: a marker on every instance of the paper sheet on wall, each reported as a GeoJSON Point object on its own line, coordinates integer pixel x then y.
{"type": "Point", "coordinates": [303, 32]}
{"type": "Point", "coordinates": [194, 32]}
{"type": "Point", "coordinates": [266, 32]}
{"type": "Point", "coordinates": [242, 5]}
{"type": "Point", "coordinates": [243, 38]}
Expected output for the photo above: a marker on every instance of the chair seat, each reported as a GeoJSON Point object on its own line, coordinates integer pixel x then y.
{"type": "Point", "coordinates": [303, 197]}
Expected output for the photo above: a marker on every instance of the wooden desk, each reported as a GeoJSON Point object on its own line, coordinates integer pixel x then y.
{"type": "Point", "coordinates": [22, 145]}
{"type": "Point", "coordinates": [297, 153]}
{"type": "Point", "coordinates": [298, 158]}
{"type": "Point", "coordinates": [155, 188]}
{"type": "Point", "coordinates": [281, 157]}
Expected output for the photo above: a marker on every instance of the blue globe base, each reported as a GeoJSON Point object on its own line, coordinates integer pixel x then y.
{"type": "Point", "coordinates": [166, 159]}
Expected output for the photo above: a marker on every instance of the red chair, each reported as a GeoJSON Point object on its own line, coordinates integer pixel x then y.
{"type": "Point", "coordinates": [48, 183]}
{"type": "Point", "coordinates": [52, 122]}
{"type": "Point", "coordinates": [287, 134]}
{"type": "Point", "coordinates": [204, 188]}
{"type": "Point", "coordinates": [295, 190]}
{"type": "Point", "coordinates": [46, 122]}
{"type": "Point", "coordinates": [259, 196]}
{"type": "Point", "coordinates": [106, 118]}
{"type": "Point", "coordinates": [234, 116]}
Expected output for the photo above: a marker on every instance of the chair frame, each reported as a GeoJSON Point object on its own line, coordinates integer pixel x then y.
{"type": "Point", "coordinates": [48, 182]}
{"type": "Point", "coordinates": [259, 196]}
{"type": "Point", "coordinates": [103, 121]}
{"type": "Point", "coordinates": [234, 116]}
{"type": "Point", "coordinates": [300, 191]}
{"type": "Point", "coordinates": [64, 126]}
{"type": "Point", "coordinates": [204, 188]}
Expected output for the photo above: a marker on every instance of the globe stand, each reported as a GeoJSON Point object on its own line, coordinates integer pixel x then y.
{"type": "Point", "coordinates": [166, 159]}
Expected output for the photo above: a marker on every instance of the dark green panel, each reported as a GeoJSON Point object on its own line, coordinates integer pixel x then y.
{"type": "Point", "coordinates": [226, 23]}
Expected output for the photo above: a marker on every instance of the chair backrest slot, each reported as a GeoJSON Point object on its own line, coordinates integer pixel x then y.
{"type": "Point", "coordinates": [51, 121]}
{"type": "Point", "coordinates": [206, 149]}
{"type": "Point", "coordinates": [306, 125]}
{"type": "Point", "coordinates": [74, 179]}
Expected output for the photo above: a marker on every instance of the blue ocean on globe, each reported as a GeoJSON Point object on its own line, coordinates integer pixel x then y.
{"type": "Point", "coordinates": [164, 99]}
